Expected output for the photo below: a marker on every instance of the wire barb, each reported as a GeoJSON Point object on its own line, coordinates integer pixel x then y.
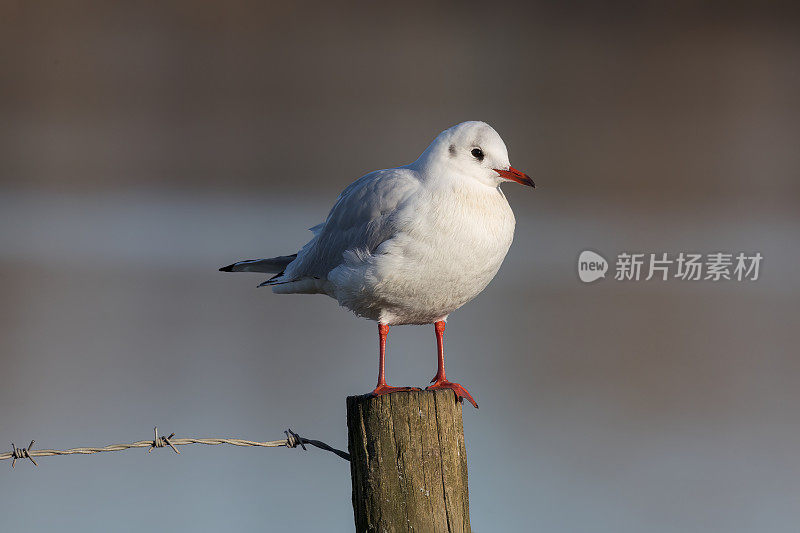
{"type": "Point", "coordinates": [292, 440]}
{"type": "Point", "coordinates": [21, 453]}
{"type": "Point", "coordinates": [159, 442]}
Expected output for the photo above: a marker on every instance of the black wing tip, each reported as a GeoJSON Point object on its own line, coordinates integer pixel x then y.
{"type": "Point", "coordinates": [228, 268]}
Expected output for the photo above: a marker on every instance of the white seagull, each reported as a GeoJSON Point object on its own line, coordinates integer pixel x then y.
{"type": "Point", "coordinates": [412, 244]}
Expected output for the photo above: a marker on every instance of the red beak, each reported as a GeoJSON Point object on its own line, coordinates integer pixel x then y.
{"type": "Point", "coordinates": [515, 175]}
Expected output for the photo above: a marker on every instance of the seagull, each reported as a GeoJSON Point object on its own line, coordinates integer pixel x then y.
{"type": "Point", "coordinates": [410, 245]}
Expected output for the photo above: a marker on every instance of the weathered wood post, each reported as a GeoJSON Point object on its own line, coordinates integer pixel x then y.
{"type": "Point", "coordinates": [408, 462]}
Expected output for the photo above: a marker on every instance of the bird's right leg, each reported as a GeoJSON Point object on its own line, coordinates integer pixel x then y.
{"type": "Point", "coordinates": [440, 381]}
{"type": "Point", "coordinates": [383, 388]}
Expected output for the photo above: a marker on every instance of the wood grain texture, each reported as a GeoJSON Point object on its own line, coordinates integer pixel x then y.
{"type": "Point", "coordinates": [408, 462]}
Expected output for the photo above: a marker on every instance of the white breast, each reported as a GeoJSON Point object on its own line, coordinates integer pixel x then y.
{"type": "Point", "coordinates": [453, 243]}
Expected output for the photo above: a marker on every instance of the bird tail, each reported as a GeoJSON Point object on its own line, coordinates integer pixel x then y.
{"type": "Point", "coordinates": [273, 265]}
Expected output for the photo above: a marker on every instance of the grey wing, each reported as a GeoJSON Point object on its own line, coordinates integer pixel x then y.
{"type": "Point", "coordinates": [363, 217]}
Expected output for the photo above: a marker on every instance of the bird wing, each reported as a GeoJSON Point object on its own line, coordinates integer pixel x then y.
{"type": "Point", "coordinates": [363, 217]}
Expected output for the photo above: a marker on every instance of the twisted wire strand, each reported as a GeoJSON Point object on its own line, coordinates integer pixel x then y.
{"type": "Point", "coordinates": [292, 440]}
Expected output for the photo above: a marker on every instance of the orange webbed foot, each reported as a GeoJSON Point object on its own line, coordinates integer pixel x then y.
{"type": "Point", "coordinates": [460, 391]}
{"type": "Point", "coordinates": [386, 389]}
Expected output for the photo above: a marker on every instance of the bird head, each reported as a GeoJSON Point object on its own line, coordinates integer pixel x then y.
{"type": "Point", "coordinates": [471, 150]}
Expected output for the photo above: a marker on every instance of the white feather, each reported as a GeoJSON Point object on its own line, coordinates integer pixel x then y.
{"type": "Point", "coordinates": [410, 245]}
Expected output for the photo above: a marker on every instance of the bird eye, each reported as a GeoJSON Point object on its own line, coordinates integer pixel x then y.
{"type": "Point", "coordinates": [477, 153]}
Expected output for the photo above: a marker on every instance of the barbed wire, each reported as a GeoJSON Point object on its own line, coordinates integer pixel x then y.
{"type": "Point", "coordinates": [292, 440]}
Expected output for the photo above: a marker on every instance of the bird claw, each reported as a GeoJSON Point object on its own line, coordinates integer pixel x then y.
{"type": "Point", "coordinates": [386, 389]}
{"type": "Point", "coordinates": [460, 391]}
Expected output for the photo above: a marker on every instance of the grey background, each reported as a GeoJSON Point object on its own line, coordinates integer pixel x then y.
{"type": "Point", "coordinates": [143, 145]}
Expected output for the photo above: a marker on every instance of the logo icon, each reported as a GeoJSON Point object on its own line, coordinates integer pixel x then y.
{"type": "Point", "coordinates": [591, 266]}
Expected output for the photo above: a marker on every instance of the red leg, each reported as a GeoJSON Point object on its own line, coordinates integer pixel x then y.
{"type": "Point", "coordinates": [439, 381]}
{"type": "Point", "coordinates": [383, 388]}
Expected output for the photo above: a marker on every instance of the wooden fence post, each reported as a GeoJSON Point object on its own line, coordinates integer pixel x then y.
{"type": "Point", "coordinates": [408, 462]}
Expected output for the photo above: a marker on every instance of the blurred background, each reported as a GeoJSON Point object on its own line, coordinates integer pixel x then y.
{"type": "Point", "coordinates": [145, 144]}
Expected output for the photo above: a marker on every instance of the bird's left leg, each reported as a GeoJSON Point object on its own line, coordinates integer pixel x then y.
{"type": "Point", "coordinates": [439, 381]}
{"type": "Point", "coordinates": [383, 387]}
